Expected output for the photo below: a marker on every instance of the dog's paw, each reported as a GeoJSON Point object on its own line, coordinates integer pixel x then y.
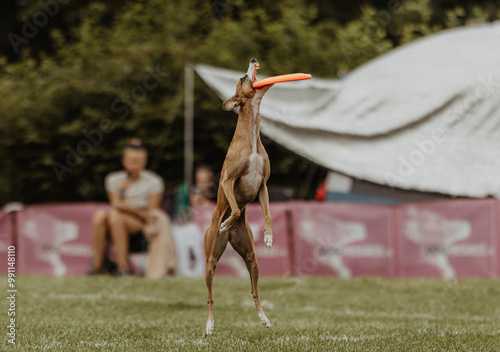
{"type": "Point", "coordinates": [210, 327]}
{"type": "Point", "coordinates": [264, 320]}
{"type": "Point", "coordinates": [268, 240]}
{"type": "Point", "coordinates": [225, 226]}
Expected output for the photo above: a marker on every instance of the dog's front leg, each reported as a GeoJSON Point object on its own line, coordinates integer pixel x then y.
{"type": "Point", "coordinates": [228, 188]}
{"type": "Point", "coordinates": [264, 203]}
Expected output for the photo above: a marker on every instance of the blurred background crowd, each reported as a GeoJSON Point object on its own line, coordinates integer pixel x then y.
{"type": "Point", "coordinates": [79, 78]}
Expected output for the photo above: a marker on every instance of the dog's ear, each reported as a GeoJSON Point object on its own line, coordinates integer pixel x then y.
{"type": "Point", "coordinates": [230, 103]}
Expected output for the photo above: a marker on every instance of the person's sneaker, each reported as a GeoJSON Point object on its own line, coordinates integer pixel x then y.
{"type": "Point", "coordinates": [108, 266]}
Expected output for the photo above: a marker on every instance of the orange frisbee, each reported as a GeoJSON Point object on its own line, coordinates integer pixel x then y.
{"type": "Point", "coordinates": [282, 78]}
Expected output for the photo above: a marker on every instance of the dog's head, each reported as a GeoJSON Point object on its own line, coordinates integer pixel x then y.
{"type": "Point", "coordinates": [244, 88]}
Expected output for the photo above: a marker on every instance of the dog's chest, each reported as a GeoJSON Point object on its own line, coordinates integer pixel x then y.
{"type": "Point", "coordinates": [253, 179]}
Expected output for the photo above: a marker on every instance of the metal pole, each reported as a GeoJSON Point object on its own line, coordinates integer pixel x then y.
{"type": "Point", "coordinates": [188, 125]}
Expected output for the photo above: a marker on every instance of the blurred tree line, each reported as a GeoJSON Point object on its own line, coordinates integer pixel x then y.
{"type": "Point", "coordinates": [79, 78]}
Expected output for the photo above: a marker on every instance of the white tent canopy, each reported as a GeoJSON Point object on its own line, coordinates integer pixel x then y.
{"type": "Point", "coordinates": [425, 116]}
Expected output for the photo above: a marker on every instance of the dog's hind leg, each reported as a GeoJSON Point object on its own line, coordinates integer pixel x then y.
{"type": "Point", "coordinates": [241, 240]}
{"type": "Point", "coordinates": [215, 245]}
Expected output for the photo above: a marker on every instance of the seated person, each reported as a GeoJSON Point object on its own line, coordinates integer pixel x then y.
{"type": "Point", "coordinates": [135, 195]}
{"type": "Point", "coordinates": [204, 190]}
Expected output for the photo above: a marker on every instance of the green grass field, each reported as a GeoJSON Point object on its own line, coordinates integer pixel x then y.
{"type": "Point", "coordinates": [308, 314]}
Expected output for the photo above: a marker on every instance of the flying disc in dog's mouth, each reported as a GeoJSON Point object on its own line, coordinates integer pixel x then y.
{"type": "Point", "coordinates": [281, 78]}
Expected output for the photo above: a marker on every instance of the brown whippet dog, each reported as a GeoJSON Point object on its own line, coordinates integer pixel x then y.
{"type": "Point", "coordinates": [244, 175]}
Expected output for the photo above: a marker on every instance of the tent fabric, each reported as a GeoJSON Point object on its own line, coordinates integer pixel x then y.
{"type": "Point", "coordinates": [425, 116]}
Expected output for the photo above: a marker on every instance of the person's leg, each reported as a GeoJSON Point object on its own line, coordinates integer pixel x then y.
{"type": "Point", "coordinates": [99, 229]}
{"type": "Point", "coordinates": [121, 225]}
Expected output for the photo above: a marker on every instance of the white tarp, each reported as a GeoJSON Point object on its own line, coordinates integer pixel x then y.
{"type": "Point", "coordinates": [425, 116]}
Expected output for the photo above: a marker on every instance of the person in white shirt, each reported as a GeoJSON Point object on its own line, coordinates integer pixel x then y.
{"type": "Point", "coordinates": [135, 195]}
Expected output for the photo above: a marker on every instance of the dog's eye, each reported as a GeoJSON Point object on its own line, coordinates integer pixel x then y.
{"type": "Point", "coordinates": [242, 79]}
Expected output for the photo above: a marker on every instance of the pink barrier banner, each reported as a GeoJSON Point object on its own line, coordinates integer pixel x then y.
{"type": "Point", "coordinates": [5, 239]}
{"type": "Point", "coordinates": [496, 237]}
{"type": "Point", "coordinates": [55, 239]}
{"type": "Point", "coordinates": [448, 239]}
{"type": "Point", "coordinates": [272, 262]}
{"type": "Point", "coordinates": [343, 240]}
